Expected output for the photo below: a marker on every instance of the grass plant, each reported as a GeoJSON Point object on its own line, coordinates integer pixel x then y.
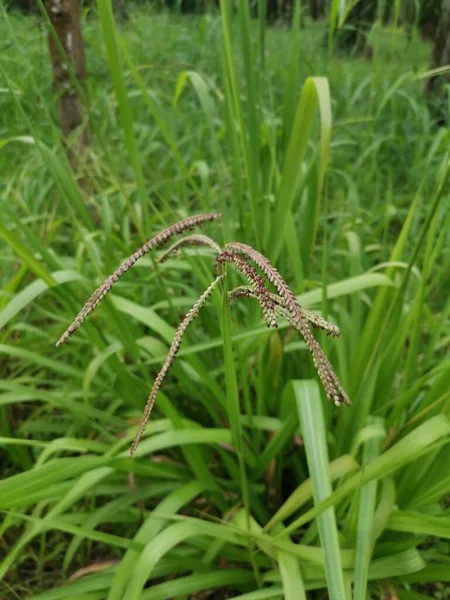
{"type": "Point", "coordinates": [248, 483]}
{"type": "Point", "coordinates": [238, 255]}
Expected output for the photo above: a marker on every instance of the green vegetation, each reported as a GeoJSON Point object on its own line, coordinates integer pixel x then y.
{"type": "Point", "coordinates": [247, 480]}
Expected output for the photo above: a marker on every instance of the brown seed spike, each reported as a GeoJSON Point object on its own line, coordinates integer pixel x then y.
{"type": "Point", "coordinates": [257, 284]}
{"type": "Point", "coordinates": [298, 320]}
{"type": "Point", "coordinates": [169, 360]}
{"type": "Point", "coordinates": [156, 242]}
{"type": "Point", "coordinates": [191, 240]}
{"type": "Point", "coordinates": [311, 317]}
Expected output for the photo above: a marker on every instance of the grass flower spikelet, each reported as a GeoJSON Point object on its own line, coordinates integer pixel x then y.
{"type": "Point", "coordinates": [282, 303]}
{"type": "Point", "coordinates": [195, 239]}
{"type": "Point", "coordinates": [157, 241]}
{"type": "Point", "coordinates": [257, 283]}
{"type": "Point", "coordinates": [330, 381]}
{"type": "Point", "coordinates": [170, 358]}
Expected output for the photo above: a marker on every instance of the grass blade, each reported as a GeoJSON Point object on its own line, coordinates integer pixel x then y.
{"type": "Point", "coordinates": [365, 532]}
{"type": "Point", "coordinates": [420, 441]}
{"type": "Point", "coordinates": [312, 427]}
{"type": "Point", "coordinates": [106, 16]}
{"type": "Point", "coordinates": [315, 94]}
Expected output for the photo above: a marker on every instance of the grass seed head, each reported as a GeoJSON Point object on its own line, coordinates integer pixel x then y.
{"type": "Point", "coordinates": [156, 242]}
{"type": "Point", "coordinates": [297, 318]}
{"type": "Point", "coordinates": [170, 359]}
{"type": "Point", "coordinates": [257, 283]}
{"type": "Point", "coordinates": [192, 240]}
{"type": "Point", "coordinates": [240, 256]}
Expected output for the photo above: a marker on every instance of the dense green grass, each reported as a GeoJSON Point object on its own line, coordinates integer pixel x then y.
{"type": "Point", "coordinates": [235, 472]}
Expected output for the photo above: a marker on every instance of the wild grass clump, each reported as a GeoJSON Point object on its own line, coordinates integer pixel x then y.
{"type": "Point", "coordinates": [248, 483]}
{"type": "Point", "coordinates": [238, 255]}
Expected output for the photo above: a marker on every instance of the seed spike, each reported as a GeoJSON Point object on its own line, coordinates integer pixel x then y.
{"type": "Point", "coordinates": [191, 240]}
{"type": "Point", "coordinates": [157, 241]}
{"type": "Point", "coordinates": [330, 380]}
{"type": "Point", "coordinates": [257, 284]}
{"type": "Point", "coordinates": [311, 317]}
{"type": "Point", "coordinates": [240, 256]}
{"type": "Point", "coordinates": [170, 358]}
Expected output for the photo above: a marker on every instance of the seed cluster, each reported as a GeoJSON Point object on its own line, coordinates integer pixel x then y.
{"type": "Point", "coordinates": [240, 256]}
{"type": "Point", "coordinates": [258, 285]}
{"type": "Point", "coordinates": [319, 322]}
{"type": "Point", "coordinates": [313, 318]}
{"type": "Point", "coordinates": [330, 380]}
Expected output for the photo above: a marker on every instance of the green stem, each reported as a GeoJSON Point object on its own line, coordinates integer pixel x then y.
{"type": "Point", "coordinates": [232, 393]}
{"type": "Point", "coordinates": [234, 414]}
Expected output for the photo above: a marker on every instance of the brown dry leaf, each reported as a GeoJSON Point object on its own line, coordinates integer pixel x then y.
{"type": "Point", "coordinates": [298, 440]}
{"type": "Point", "coordinates": [94, 568]}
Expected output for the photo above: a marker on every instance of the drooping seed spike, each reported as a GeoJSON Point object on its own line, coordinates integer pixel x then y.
{"type": "Point", "coordinates": [257, 284]}
{"type": "Point", "coordinates": [156, 242]}
{"type": "Point", "coordinates": [280, 307]}
{"type": "Point", "coordinates": [320, 323]}
{"type": "Point", "coordinates": [192, 240]}
{"type": "Point", "coordinates": [296, 317]}
{"type": "Point", "coordinates": [170, 359]}
{"type": "Point", "coordinates": [243, 291]}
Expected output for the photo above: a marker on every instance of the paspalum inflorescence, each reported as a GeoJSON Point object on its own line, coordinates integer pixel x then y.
{"type": "Point", "coordinates": [246, 260]}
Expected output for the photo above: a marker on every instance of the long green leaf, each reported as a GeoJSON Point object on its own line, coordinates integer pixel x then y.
{"type": "Point", "coordinates": [315, 94]}
{"type": "Point", "coordinates": [313, 429]}
{"type": "Point", "coordinates": [412, 446]}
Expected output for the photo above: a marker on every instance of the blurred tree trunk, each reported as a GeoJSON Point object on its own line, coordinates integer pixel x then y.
{"type": "Point", "coordinates": [317, 9]}
{"type": "Point", "coordinates": [441, 52]}
{"type": "Point", "coordinates": [65, 16]}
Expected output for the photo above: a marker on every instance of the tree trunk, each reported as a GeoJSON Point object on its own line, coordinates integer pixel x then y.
{"type": "Point", "coordinates": [441, 52]}
{"type": "Point", "coordinates": [65, 17]}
